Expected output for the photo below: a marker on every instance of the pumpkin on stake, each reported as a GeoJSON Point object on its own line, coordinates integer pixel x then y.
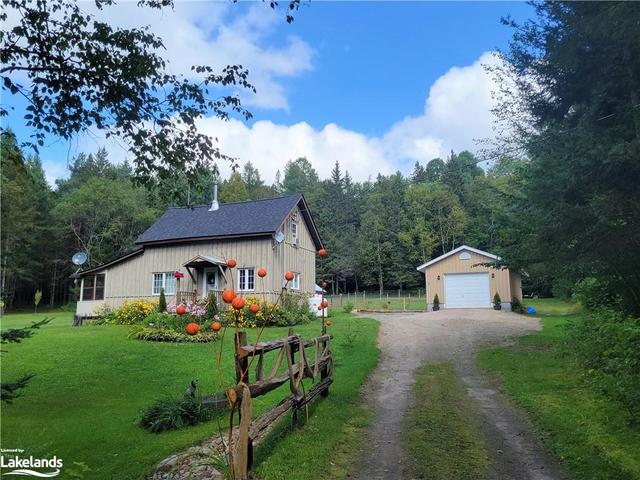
{"type": "Point", "coordinates": [238, 303]}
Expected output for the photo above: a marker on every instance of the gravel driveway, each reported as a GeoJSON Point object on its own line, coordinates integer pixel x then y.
{"type": "Point", "coordinates": [407, 340]}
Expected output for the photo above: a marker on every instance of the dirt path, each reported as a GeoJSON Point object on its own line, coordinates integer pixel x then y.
{"type": "Point", "coordinates": [408, 340]}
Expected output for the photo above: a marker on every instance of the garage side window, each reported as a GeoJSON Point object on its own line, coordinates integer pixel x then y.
{"type": "Point", "coordinates": [93, 287]}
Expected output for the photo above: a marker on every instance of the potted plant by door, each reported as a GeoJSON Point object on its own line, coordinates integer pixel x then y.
{"type": "Point", "coordinates": [497, 302]}
{"type": "Point", "coordinates": [436, 303]}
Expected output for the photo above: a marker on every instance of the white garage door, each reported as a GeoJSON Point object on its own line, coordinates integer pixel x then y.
{"type": "Point", "coordinates": [466, 290]}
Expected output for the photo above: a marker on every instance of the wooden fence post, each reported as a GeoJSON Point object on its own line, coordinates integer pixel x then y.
{"type": "Point", "coordinates": [292, 354]}
{"type": "Point", "coordinates": [242, 363]}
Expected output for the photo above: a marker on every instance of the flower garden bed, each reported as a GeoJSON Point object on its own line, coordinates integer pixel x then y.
{"type": "Point", "coordinates": [194, 322]}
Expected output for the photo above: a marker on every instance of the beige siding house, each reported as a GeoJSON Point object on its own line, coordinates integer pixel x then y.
{"type": "Point", "coordinates": [462, 278]}
{"type": "Point", "coordinates": [278, 234]}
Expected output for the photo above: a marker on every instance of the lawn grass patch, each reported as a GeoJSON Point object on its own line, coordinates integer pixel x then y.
{"type": "Point", "coordinates": [323, 447]}
{"type": "Point", "coordinates": [589, 432]}
{"type": "Point", "coordinates": [444, 441]}
{"type": "Point", "coordinates": [92, 383]}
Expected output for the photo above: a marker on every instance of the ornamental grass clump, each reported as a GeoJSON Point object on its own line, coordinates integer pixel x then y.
{"type": "Point", "coordinates": [171, 414]}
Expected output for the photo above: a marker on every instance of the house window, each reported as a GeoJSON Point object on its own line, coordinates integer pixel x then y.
{"type": "Point", "coordinates": [246, 279]}
{"type": "Point", "coordinates": [295, 283]}
{"type": "Point", "coordinates": [164, 280]}
{"type": "Point", "coordinates": [294, 232]}
{"type": "Point", "coordinates": [93, 287]}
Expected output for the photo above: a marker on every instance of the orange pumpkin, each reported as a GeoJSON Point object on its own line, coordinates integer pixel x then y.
{"type": "Point", "coordinates": [238, 303]}
{"type": "Point", "coordinates": [192, 328]}
{"type": "Point", "coordinates": [328, 323]}
{"type": "Point", "coordinates": [323, 252]}
{"type": "Point", "coordinates": [254, 308]}
{"type": "Point", "coordinates": [216, 326]}
{"type": "Point", "coordinates": [288, 276]}
{"type": "Point", "coordinates": [324, 303]}
{"type": "Point", "coordinates": [262, 272]}
{"type": "Point", "coordinates": [228, 296]}
{"type": "Point", "coordinates": [231, 263]}
{"type": "Point", "coordinates": [181, 309]}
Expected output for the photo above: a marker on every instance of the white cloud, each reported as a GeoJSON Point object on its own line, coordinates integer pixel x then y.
{"type": "Point", "coordinates": [457, 112]}
{"type": "Point", "coordinates": [269, 146]}
{"type": "Point", "coordinates": [215, 34]}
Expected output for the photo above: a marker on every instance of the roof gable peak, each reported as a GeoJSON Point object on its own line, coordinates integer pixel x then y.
{"type": "Point", "coordinates": [461, 248]}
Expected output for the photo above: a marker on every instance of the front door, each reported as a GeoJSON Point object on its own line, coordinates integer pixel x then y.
{"type": "Point", "coordinates": [210, 281]}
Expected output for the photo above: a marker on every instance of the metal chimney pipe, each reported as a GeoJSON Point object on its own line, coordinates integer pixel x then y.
{"type": "Point", "coordinates": [214, 204]}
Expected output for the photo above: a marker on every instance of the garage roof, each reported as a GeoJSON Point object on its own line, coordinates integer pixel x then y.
{"type": "Point", "coordinates": [422, 267]}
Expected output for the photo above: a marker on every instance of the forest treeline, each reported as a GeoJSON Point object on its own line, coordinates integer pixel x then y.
{"type": "Point", "coordinates": [561, 203]}
{"type": "Point", "coordinates": [377, 231]}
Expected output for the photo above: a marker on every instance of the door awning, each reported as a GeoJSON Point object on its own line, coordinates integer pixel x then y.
{"type": "Point", "coordinates": [204, 261]}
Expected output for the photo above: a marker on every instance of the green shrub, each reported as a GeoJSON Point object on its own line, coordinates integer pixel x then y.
{"type": "Point", "coordinates": [516, 305]}
{"type": "Point", "coordinates": [496, 299]}
{"type": "Point", "coordinates": [172, 414]}
{"type": "Point", "coordinates": [348, 307]}
{"type": "Point", "coordinates": [133, 312]}
{"type": "Point", "coordinates": [212, 306]}
{"type": "Point", "coordinates": [607, 344]}
{"type": "Point", "coordinates": [594, 294]}
{"type": "Point", "coordinates": [436, 300]}
{"type": "Point", "coordinates": [70, 307]}
{"type": "Point", "coordinates": [162, 301]}
{"type": "Point", "coordinates": [292, 310]}
{"type": "Point", "coordinates": [164, 334]}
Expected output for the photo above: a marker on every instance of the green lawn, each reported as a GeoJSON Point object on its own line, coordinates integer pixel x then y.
{"type": "Point", "coordinates": [590, 433]}
{"type": "Point", "coordinates": [444, 441]}
{"type": "Point", "coordinates": [377, 302]}
{"type": "Point", "coordinates": [92, 382]}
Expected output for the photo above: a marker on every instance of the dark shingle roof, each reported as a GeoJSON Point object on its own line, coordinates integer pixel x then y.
{"type": "Point", "coordinates": [230, 220]}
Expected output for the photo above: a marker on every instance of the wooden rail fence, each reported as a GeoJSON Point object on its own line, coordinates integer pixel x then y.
{"type": "Point", "coordinates": [250, 432]}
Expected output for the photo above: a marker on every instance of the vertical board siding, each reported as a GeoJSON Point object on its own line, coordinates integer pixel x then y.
{"type": "Point", "coordinates": [498, 279]}
{"type": "Point", "coordinates": [516, 286]}
{"type": "Point", "coordinates": [133, 278]}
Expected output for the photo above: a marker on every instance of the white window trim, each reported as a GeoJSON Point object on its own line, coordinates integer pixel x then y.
{"type": "Point", "coordinates": [295, 236]}
{"type": "Point", "coordinates": [296, 276]}
{"type": "Point", "coordinates": [164, 283]}
{"type": "Point", "coordinates": [254, 279]}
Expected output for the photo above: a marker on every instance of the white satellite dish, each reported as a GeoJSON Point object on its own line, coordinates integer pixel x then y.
{"type": "Point", "coordinates": [79, 258]}
{"type": "Point", "coordinates": [279, 237]}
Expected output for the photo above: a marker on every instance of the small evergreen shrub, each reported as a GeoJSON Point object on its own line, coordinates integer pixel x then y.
{"type": "Point", "coordinates": [497, 301]}
{"type": "Point", "coordinates": [436, 301]}
{"type": "Point", "coordinates": [212, 306]}
{"type": "Point", "coordinates": [172, 414]}
{"type": "Point", "coordinates": [348, 307]}
{"type": "Point", "coordinates": [162, 302]}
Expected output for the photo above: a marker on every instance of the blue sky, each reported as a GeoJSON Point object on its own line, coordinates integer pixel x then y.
{"type": "Point", "coordinates": [376, 85]}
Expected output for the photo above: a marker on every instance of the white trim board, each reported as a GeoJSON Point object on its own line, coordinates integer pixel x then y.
{"type": "Point", "coordinates": [453, 252]}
